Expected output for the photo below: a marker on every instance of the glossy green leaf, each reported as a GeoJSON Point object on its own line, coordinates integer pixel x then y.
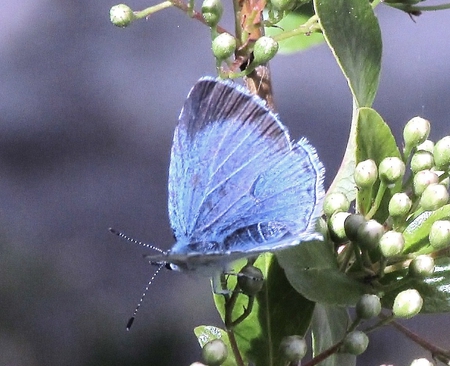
{"type": "Point", "coordinates": [329, 327]}
{"type": "Point", "coordinates": [435, 290]}
{"type": "Point", "coordinates": [278, 311]}
{"type": "Point", "coordinates": [352, 32]}
{"type": "Point", "coordinates": [416, 233]}
{"type": "Point", "coordinates": [313, 271]}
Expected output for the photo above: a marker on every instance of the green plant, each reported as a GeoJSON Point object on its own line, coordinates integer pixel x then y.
{"type": "Point", "coordinates": [389, 249]}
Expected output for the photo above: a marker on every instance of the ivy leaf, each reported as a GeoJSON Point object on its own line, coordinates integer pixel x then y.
{"type": "Point", "coordinates": [353, 34]}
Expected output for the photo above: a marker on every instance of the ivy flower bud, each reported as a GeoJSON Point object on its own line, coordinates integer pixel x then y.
{"type": "Point", "coordinates": [423, 179]}
{"type": "Point", "coordinates": [265, 49]}
{"type": "Point", "coordinates": [212, 11]}
{"type": "Point", "coordinates": [368, 306]}
{"type": "Point", "coordinates": [392, 243]}
{"type": "Point", "coordinates": [439, 236]}
{"type": "Point", "coordinates": [366, 173]}
{"type": "Point", "coordinates": [416, 131]}
{"type": "Point", "coordinates": [421, 266]}
{"type": "Point", "coordinates": [421, 362]}
{"type": "Point", "coordinates": [352, 224]}
{"type": "Point", "coordinates": [391, 170]}
{"type": "Point", "coordinates": [336, 226]}
{"type": "Point", "coordinates": [399, 205]}
{"type": "Point", "coordinates": [223, 46]}
{"type": "Point", "coordinates": [407, 304]}
{"type": "Point", "coordinates": [250, 280]}
{"type": "Point", "coordinates": [369, 234]}
{"type": "Point", "coordinates": [355, 343]}
{"type": "Point", "coordinates": [335, 202]}
{"type": "Point", "coordinates": [121, 15]}
{"type": "Point", "coordinates": [293, 348]}
{"type": "Point", "coordinates": [433, 197]}
{"type": "Point", "coordinates": [215, 352]}
{"type": "Point", "coordinates": [427, 145]}
{"type": "Point", "coordinates": [441, 153]}
{"type": "Point", "coordinates": [422, 160]}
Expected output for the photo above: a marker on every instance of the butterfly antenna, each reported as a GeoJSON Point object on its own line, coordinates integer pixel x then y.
{"type": "Point", "coordinates": [131, 240]}
{"type": "Point", "coordinates": [131, 320]}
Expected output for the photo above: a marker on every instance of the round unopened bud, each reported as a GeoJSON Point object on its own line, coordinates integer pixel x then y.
{"type": "Point", "coordinates": [391, 170]}
{"type": "Point", "coordinates": [215, 352]}
{"type": "Point", "coordinates": [368, 306]}
{"type": "Point", "coordinates": [421, 266]}
{"type": "Point", "coordinates": [212, 11]}
{"type": "Point", "coordinates": [441, 153]}
{"type": "Point", "coordinates": [197, 364]}
{"type": "Point", "coordinates": [423, 179]}
{"type": "Point", "coordinates": [335, 202]}
{"type": "Point", "coordinates": [352, 224]}
{"type": "Point", "coordinates": [121, 15]}
{"type": "Point", "coordinates": [336, 226]}
{"type": "Point", "coordinates": [422, 160]}
{"type": "Point", "coordinates": [250, 280]}
{"type": "Point", "coordinates": [355, 343]}
{"type": "Point", "coordinates": [416, 131]}
{"type": "Point", "coordinates": [265, 49]}
{"type": "Point", "coordinates": [439, 236]}
{"type": "Point", "coordinates": [223, 46]}
{"type": "Point", "coordinates": [366, 174]}
{"type": "Point", "coordinates": [392, 243]}
{"type": "Point", "coordinates": [421, 362]}
{"type": "Point", "coordinates": [282, 5]}
{"type": "Point", "coordinates": [293, 348]}
{"type": "Point", "coordinates": [399, 205]}
{"type": "Point", "coordinates": [369, 234]}
{"type": "Point", "coordinates": [433, 197]}
{"type": "Point", "coordinates": [427, 145]}
{"type": "Point", "coordinates": [407, 304]}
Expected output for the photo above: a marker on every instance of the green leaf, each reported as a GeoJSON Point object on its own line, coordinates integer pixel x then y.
{"type": "Point", "coordinates": [435, 290]}
{"type": "Point", "coordinates": [329, 327]}
{"type": "Point", "coordinates": [278, 311]}
{"type": "Point", "coordinates": [416, 233]}
{"type": "Point", "coordinates": [312, 270]}
{"type": "Point", "coordinates": [374, 140]}
{"type": "Point", "coordinates": [353, 34]}
{"type": "Point", "coordinates": [296, 43]}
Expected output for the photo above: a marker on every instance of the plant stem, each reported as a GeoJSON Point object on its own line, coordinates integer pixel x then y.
{"type": "Point", "coordinates": [324, 355]}
{"type": "Point", "coordinates": [152, 9]}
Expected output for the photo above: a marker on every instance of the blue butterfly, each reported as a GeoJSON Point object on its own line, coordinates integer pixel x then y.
{"type": "Point", "coordinates": [238, 186]}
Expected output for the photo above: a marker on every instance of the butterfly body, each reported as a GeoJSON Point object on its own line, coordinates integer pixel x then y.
{"type": "Point", "coordinates": [238, 186]}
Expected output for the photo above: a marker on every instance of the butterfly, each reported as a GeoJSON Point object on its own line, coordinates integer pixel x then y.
{"type": "Point", "coordinates": [238, 186]}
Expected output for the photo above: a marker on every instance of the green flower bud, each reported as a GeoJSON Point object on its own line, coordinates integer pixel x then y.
{"type": "Point", "coordinates": [427, 145]}
{"type": "Point", "coordinates": [433, 197]}
{"type": "Point", "coordinates": [416, 131]}
{"type": "Point", "coordinates": [282, 5]}
{"type": "Point", "coordinates": [368, 306]}
{"type": "Point", "coordinates": [336, 226]}
{"type": "Point", "coordinates": [250, 280]}
{"type": "Point", "coordinates": [293, 348]}
{"type": "Point", "coordinates": [421, 266]}
{"type": "Point", "coordinates": [366, 174]}
{"type": "Point", "coordinates": [121, 15]}
{"type": "Point", "coordinates": [265, 49]}
{"type": "Point", "coordinates": [423, 179]}
{"type": "Point", "coordinates": [439, 236]}
{"type": "Point", "coordinates": [223, 46]}
{"type": "Point", "coordinates": [421, 362]}
{"type": "Point", "coordinates": [441, 153]}
{"type": "Point", "coordinates": [399, 205]}
{"type": "Point", "coordinates": [212, 11]}
{"type": "Point", "coordinates": [369, 234]}
{"type": "Point", "coordinates": [355, 343]}
{"type": "Point", "coordinates": [392, 243]}
{"type": "Point", "coordinates": [352, 224]}
{"type": "Point", "coordinates": [335, 202]}
{"type": "Point", "coordinates": [422, 160]}
{"type": "Point", "coordinates": [391, 170]}
{"type": "Point", "coordinates": [215, 352]}
{"type": "Point", "coordinates": [407, 304]}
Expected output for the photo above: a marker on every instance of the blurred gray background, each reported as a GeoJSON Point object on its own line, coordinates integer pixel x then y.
{"type": "Point", "coordinates": [87, 112]}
